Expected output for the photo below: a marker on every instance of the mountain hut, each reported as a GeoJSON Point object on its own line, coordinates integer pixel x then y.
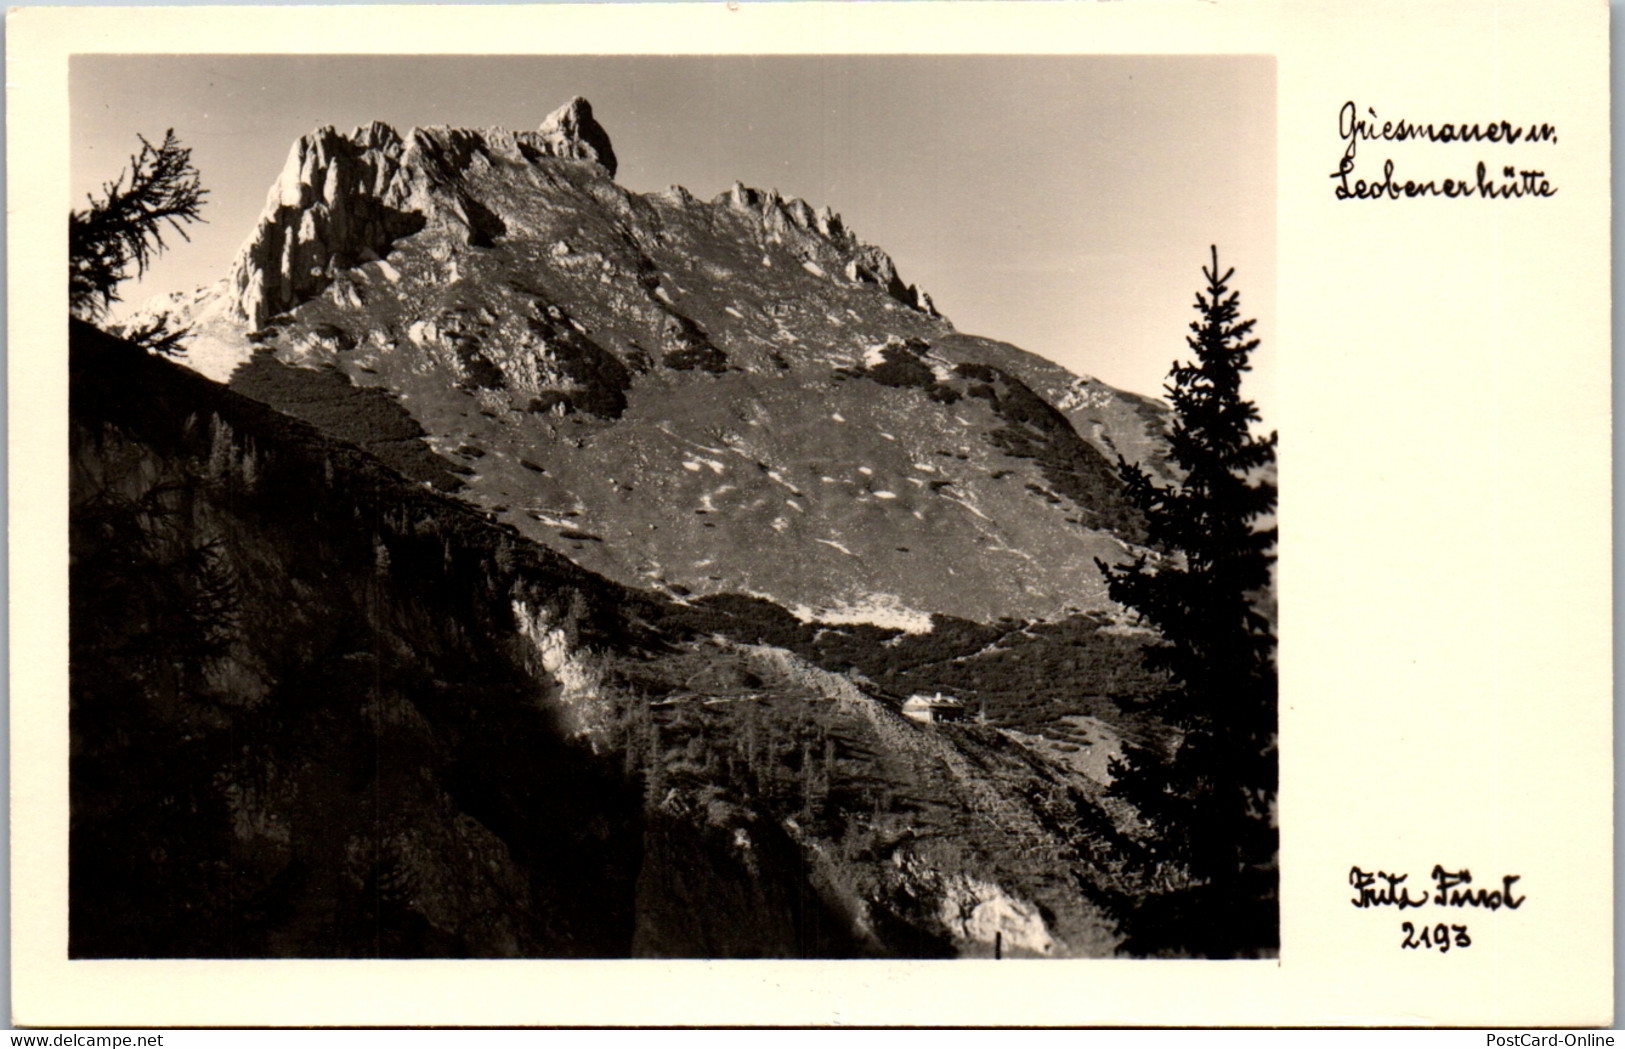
{"type": "Point", "coordinates": [933, 708]}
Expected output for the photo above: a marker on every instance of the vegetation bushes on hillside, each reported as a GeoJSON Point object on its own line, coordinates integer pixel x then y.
{"type": "Point", "coordinates": [1026, 676]}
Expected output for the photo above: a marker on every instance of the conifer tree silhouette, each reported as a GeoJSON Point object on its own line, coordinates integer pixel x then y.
{"type": "Point", "coordinates": [1209, 798]}
{"type": "Point", "coordinates": [118, 235]}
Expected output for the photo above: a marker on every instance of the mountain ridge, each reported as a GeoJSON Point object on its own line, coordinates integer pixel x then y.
{"type": "Point", "coordinates": [639, 380]}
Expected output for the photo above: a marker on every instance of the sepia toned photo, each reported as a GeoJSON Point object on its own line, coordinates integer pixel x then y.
{"type": "Point", "coordinates": [810, 514]}
{"type": "Point", "coordinates": [497, 535]}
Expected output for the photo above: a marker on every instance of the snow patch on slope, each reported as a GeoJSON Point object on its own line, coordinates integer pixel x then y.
{"type": "Point", "coordinates": [882, 610]}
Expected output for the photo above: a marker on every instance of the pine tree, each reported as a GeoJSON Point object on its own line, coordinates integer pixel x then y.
{"type": "Point", "coordinates": [1208, 798]}
{"type": "Point", "coordinates": [119, 235]}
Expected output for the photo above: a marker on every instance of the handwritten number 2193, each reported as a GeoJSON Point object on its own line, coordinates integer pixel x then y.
{"type": "Point", "coordinates": [1436, 936]}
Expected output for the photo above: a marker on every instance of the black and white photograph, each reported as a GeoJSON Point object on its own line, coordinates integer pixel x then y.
{"type": "Point", "coordinates": [672, 507]}
{"type": "Point", "coordinates": [767, 515]}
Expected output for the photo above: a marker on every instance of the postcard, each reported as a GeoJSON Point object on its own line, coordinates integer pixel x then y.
{"type": "Point", "coordinates": [796, 514]}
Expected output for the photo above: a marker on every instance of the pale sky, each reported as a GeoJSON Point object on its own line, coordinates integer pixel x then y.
{"type": "Point", "coordinates": [1061, 203]}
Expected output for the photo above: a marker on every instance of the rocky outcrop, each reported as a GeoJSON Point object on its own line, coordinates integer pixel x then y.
{"type": "Point", "coordinates": [823, 243]}
{"type": "Point", "coordinates": [977, 911]}
{"type": "Point", "coordinates": [342, 200]}
{"type": "Point", "coordinates": [570, 131]}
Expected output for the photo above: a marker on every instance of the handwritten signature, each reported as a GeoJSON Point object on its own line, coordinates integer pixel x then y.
{"type": "Point", "coordinates": [1450, 889]}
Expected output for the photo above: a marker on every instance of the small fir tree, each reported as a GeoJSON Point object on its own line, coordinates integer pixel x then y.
{"type": "Point", "coordinates": [118, 236]}
{"type": "Point", "coordinates": [1208, 797]}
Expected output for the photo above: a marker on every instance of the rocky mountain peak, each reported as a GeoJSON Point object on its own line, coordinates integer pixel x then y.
{"type": "Point", "coordinates": [342, 200]}
{"type": "Point", "coordinates": [639, 380]}
{"type": "Point", "coordinates": [570, 131]}
{"type": "Point", "coordinates": [339, 201]}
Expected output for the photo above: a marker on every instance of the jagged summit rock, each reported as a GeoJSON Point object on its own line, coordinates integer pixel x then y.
{"type": "Point", "coordinates": [571, 131]}
{"type": "Point", "coordinates": [343, 200]}
{"type": "Point", "coordinates": [821, 239]}
{"type": "Point", "coordinates": [340, 201]}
